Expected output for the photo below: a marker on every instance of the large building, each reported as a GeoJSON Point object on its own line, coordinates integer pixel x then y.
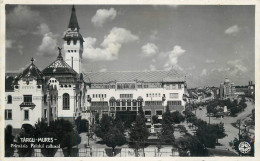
{"type": "Point", "coordinates": [226, 89]}
{"type": "Point", "coordinates": [61, 90]}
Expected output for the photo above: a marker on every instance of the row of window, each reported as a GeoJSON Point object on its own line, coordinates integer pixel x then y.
{"type": "Point", "coordinates": [125, 85]}
{"type": "Point", "coordinates": [173, 86]}
{"type": "Point", "coordinates": [174, 95]}
{"type": "Point", "coordinates": [134, 85]}
{"type": "Point", "coordinates": [149, 113]}
{"type": "Point", "coordinates": [65, 86]}
{"type": "Point", "coordinates": [126, 95]}
{"type": "Point", "coordinates": [153, 103]}
{"type": "Point", "coordinates": [99, 96]}
{"type": "Point", "coordinates": [174, 103]}
{"type": "Point", "coordinates": [74, 42]}
{"type": "Point", "coordinates": [8, 114]}
{"type": "Point", "coordinates": [153, 95]}
{"type": "Point", "coordinates": [72, 51]}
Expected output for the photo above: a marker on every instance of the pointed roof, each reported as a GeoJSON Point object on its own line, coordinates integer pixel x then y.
{"type": "Point", "coordinates": [59, 66]}
{"type": "Point", "coordinates": [31, 72]}
{"type": "Point", "coordinates": [73, 19]}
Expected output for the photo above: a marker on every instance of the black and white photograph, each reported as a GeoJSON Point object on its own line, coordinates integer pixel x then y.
{"type": "Point", "coordinates": [118, 80]}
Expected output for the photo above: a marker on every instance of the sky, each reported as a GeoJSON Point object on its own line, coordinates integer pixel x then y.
{"type": "Point", "coordinates": [206, 43]}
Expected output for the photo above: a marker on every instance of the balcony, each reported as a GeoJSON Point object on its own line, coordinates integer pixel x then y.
{"type": "Point", "coordinates": [27, 104]}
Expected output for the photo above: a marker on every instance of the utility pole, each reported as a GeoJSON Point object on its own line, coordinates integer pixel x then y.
{"type": "Point", "coordinates": [239, 124]}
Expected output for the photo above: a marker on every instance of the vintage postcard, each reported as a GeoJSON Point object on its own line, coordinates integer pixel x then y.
{"type": "Point", "coordinates": [150, 79]}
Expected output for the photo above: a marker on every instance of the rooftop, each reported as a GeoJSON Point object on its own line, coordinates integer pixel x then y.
{"type": "Point", "coordinates": [132, 76]}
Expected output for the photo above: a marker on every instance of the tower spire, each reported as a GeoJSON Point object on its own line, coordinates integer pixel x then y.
{"type": "Point", "coordinates": [73, 20]}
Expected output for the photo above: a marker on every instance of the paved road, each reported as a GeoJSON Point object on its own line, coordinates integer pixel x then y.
{"type": "Point", "coordinates": [231, 131]}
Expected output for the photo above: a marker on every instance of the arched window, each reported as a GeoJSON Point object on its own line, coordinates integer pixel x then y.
{"type": "Point", "coordinates": [66, 101]}
{"type": "Point", "coordinates": [9, 99]}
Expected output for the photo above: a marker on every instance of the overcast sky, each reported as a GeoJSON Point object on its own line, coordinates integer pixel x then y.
{"type": "Point", "coordinates": [207, 43]}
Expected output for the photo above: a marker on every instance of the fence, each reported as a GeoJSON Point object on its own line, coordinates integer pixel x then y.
{"type": "Point", "coordinates": [120, 152]}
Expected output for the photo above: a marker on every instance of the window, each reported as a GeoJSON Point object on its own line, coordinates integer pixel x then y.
{"type": "Point", "coordinates": [118, 108]}
{"type": "Point", "coordinates": [66, 101]}
{"type": "Point", "coordinates": [45, 98]}
{"type": "Point", "coordinates": [173, 95]}
{"type": "Point", "coordinates": [112, 104]}
{"type": "Point", "coordinates": [134, 104]}
{"type": "Point", "coordinates": [123, 103]}
{"type": "Point", "coordinates": [9, 99]}
{"type": "Point", "coordinates": [51, 99]}
{"type": "Point", "coordinates": [45, 113]}
{"type": "Point", "coordinates": [125, 85]}
{"type": "Point", "coordinates": [147, 112]}
{"type": "Point", "coordinates": [68, 42]}
{"type": "Point", "coordinates": [179, 86]}
{"type": "Point", "coordinates": [174, 103]}
{"type": "Point", "coordinates": [27, 98]}
{"type": "Point", "coordinates": [8, 114]}
{"type": "Point", "coordinates": [126, 95]}
{"type": "Point", "coordinates": [74, 42]}
{"type": "Point", "coordinates": [128, 103]}
{"type": "Point", "coordinates": [26, 114]}
{"type": "Point", "coordinates": [118, 103]}
{"type": "Point", "coordinates": [153, 103]}
{"type": "Point", "coordinates": [158, 112]}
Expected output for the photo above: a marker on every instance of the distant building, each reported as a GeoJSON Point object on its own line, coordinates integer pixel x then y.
{"type": "Point", "coordinates": [251, 88]}
{"type": "Point", "coordinates": [227, 89]}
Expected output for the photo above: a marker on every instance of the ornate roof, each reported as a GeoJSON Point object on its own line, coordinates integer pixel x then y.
{"type": "Point", "coordinates": [132, 76]}
{"type": "Point", "coordinates": [31, 72]}
{"type": "Point", "coordinates": [59, 66]}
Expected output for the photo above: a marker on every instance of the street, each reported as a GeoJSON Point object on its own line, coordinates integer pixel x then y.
{"type": "Point", "coordinates": [230, 130]}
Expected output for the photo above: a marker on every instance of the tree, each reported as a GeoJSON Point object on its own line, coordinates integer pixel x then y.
{"type": "Point", "coordinates": [220, 131]}
{"type": "Point", "coordinates": [81, 124]}
{"type": "Point", "coordinates": [114, 137]}
{"type": "Point", "coordinates": [155, 119]}
{"type": "Point", "coordinates": [189, 143]}
{"type": "Point", "coordinates": [167, 131]}
{"type": "Point", "coordinates": [177, 117]}
{"type": "Point", "coordinates": [9, 139]}
{"type": "Point", "coordinates": [105, 125]}
{"type": "Point", "coordinates": [66, 134]}
{"type": "Point", "coordinates": [139, 133]}
{"type": "Point", "coordinates": [25, 152]}
{"type": "Point", "coordinates": [49, 152]}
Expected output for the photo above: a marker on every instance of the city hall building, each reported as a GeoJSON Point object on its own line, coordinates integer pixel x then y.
{"type": "Point", "coordinates": [62, 90]}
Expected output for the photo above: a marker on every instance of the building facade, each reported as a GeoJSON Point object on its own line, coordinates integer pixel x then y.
{"type": "Point", "coordinates": [226, 89]}
{"type": "Point", "coordinates": [61, 90]}
{"type": "Point", "coordinates": [115, 92]}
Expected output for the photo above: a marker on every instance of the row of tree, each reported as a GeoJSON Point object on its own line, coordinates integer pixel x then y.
{"type": "Point", "coordinates": [235, 107]}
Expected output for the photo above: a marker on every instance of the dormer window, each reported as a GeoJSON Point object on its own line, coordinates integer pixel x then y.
{"type": "Point", "coordinates": [68, 42]}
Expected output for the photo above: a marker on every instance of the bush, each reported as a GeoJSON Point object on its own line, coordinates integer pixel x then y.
{"type": "Point", "coordinates": [9, 139]}
{"type": "Point", "coordinates": [25, 152]}
{"type": "Point", "coordinates": [177, 117]}
{"type": "Point", "coordinates": [82, 125]}
{"type": "Point", "coordinates": [49, 152]}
